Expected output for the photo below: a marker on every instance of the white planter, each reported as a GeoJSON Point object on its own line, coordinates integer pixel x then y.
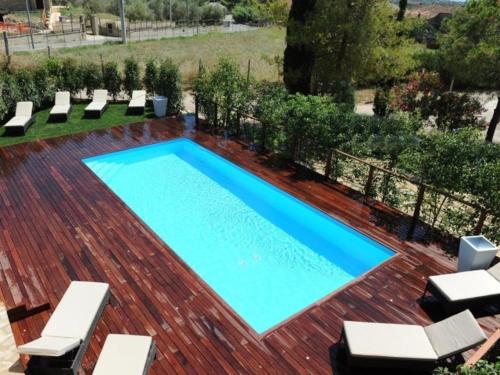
{"type": "Point", "coordinates": [160, 106]}
{"type": "Point", "coordinates": [475, 252]}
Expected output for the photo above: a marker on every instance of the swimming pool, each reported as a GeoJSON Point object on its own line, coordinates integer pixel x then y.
{"type": "Point", "coordinates": [267, 254]}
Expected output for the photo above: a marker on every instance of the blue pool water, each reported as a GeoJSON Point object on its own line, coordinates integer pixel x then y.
{"type": "Point", "coordinates": [266, 253]}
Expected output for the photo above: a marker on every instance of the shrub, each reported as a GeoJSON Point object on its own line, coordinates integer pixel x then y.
{"type": "Point", "coordinates": [112, 80]}
{"type": "Point", "coordinates": [381, 102]}
{"type": "Point", "coordinates": [454, 111]}
{"type": "Point", "coordinates": [4, 110]}
{"type": "Point", "coordinates": [150, 79]}
{"type": "Point", "coordinates": [69, 78]}
{"type": "Point", "coordinates": [27, 88]}
{"type": "Point", "coordinates": [44, 86]}
{"type": "Point", "coordinates": [91, 77]}
{"type": "Point", "coordinates": [246, 13]}
{"type": "Point", "coordinates": [10, 92]}
{"type": "Point", "coordinates": [131, 79]}
{"type": "Point", "coordinates": [212, 13]}
{"type": "Point", "coordinates": [169, 85]}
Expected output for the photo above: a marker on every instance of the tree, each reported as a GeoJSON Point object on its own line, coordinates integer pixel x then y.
{"type": "Point", "coordinates": [131, 79]}
{"type": "Point", "coordinates": [402, 9]}
{"type": "Point", "coordinates": [470, 48]}
{"type": "Point", "coordinates": [299, 53]}
{"type": "Point", "coordinates": [112, 79]}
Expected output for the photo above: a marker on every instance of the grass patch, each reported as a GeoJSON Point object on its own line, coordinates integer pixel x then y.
{"type": "Point", "coordinates": [115, 115]}
{"type": "Point", "coordinates": [259, 46]}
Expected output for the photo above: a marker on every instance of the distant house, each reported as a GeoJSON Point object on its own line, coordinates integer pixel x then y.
{"type": "Point", "coordinates": [8, 6]}
{"type": "Point", "coordinates": [434, 14]}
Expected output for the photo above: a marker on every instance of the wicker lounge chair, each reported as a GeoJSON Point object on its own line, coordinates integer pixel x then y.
{"type": "Point", "coordinates": [62, 107]}
{"type": "Point", "coordinates": [137, 103]}
{"type": "Point", "coordinates": [98, 105]}
{"type": "Point", "coordinates": [65, 338]}
{"type": "Point", "coordinates": [23, 119]}
{"type": "Point", "coordinates": [126, 355]}
{"type": "Point", "coordinates": [410, 346]}
{"type": "Point", "coordinates": [462, 290]}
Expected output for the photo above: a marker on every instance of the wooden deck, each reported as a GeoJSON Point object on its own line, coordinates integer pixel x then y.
{"type": "Point", "coordinates": [58, 223]}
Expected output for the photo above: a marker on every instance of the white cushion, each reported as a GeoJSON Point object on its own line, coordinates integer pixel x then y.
{"type": "Point", "coordinates": [495, 271]}
{"type": "Point", "coordinates": [101, 95]}
{"type": "Point", "coordinates": [391, 341]}
{"type": "Point", "coordinates": [63, 98]}
{"type": "Point", "coordinates": [137, 103]}
{"type": "Point", "coordinates": [24, 109]}
{"type": "Point", "coordinates": [77, 310]}
{"type": "Point", "coordinates": [124, 355]}
{"type": "Point", "coordinates": [466, 285]}
{"type": "Point", "coordinates": [17, 121]}
{"type": "Point", "coordinates": [60, 109]}
{"type": "Point", "coordinates": [49, 346]}
{"type": "Point", "coordinates": [95, 106]}
{"type": "Point", "coordinates": [455, 334]}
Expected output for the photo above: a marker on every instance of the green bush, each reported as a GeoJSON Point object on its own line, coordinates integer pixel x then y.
{"type": "Point", "coordinates": [69, 77]}
{"type": "Point", "coordinates": [44, 86]}
{"type": "Point", "coordinates": [169, 85]}
{"type": "Point", "coordinates": [11, 93]}
{"type": "Point", "coordinates": [112, 80]}
{"type": "Point", "coordinates": [150, 79]}
{"type": "Point", "coordinates": [92, 77]}
{"type": "Point", "coordinates": [480, 368]}
{"type": "Point", "coordinates": [27, 87]}
{"type": "Point", "coordinates": [212, 13]}
{"type": "Point", "coordinates": [246, 13]}
{"type": "Point", "coordinates": [131, 79]}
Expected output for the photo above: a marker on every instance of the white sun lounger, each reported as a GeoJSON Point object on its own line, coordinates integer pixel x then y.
{"type": "Point", "coordinates": [138, 102]}
{"type": "Point", "coordinates": [69, 329]}
{"type": "Point", "coordinates": [461, 290]}
{"type": "Point", "coordinates": [98, 105]}
{"type": "Point", "coordinates": [23, 119]}
{"type": "Point", "coordinates": [126, 355]}
{"type": "Point", "coordinates": [62, 106]}
{"type": "Point", "coordinates": [410, 346]}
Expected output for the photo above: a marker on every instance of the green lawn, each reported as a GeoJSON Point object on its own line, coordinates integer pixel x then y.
{"type": "Point", "coordinates": [115, 115]}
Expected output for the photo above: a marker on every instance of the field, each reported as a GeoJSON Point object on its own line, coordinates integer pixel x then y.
{"type": "Point", "coordinates": [259, 46]}
{"type": "Point", "coordinates": [41, 129]}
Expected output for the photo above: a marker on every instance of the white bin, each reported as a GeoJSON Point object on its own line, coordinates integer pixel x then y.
{"type": "Point", "coordinates": [160, 106]}
{"type": "Point", "coordinates": [475, 252]}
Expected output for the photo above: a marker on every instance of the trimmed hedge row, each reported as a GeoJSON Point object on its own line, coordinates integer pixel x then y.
{"type": "Point", "coordinates": [40, 84]}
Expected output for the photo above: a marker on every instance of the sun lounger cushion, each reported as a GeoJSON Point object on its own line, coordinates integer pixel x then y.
{"type": "Point", "coordinates": [77, 310]}
{"type": "Point", "coordinates": [138, 99]}
{"type": "Point", "coordinates": [463, 286]}
{"type": "Point", "coordinates": [391, 341]}
{"type": "Point", "coordinates": [50, 346]}
{"type": "Point", "coordinates": [24, 112]}
{"type": "Point", "coordinates": [95, 106]}
{"type": "Point", "coordinates": [455, 334]}
{"type": "Point", "coordinates": [495, 272]}
{"type": "Point", "coordinates": [60, 109]}
{"type": "Point", "coordinates": [125, 355]}
{"type": "Point", "coordinates": [72, 320]}
{"type": "Point", "coordinates": [100, 96]}
{"type": "Point", "coordinates": [17, 121]}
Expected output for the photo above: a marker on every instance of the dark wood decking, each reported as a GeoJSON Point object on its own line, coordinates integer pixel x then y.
{"type": "Point", "coordinates": [58, 223]}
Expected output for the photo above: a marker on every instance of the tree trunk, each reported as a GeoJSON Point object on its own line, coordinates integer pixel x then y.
{"type": "Point", "coordinates": [402, 9]}
{"type": "Point", "coordinates": [494, 122]}
{"type": "Point", "coordinates": [299, 53]}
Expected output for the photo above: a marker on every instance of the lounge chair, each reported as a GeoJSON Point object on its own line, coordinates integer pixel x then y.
{"type": "Point", "coordinates": [410, 346]}
{"type": "Point", "coordinates": [462, 290]}
{"type": "Point", "coordinates": [98, 105]}
{"type": "Point", "coordinates": [9, 358]}
{"type": "Point", "coordinates": [137, 103]}
{"type": "Point", "coordinates": [23, 119]}
{"type": "Point", "coordinates": [65, 338]}
{"type": "Point", "coordinates": [126, 355]}
{"type": "Point", "coordinates": [62, 107]}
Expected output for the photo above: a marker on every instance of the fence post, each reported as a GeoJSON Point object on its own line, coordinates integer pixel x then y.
{"type": "Point", "coordinates": [369, 182]}
{"type": "Point", "coordinates": [6, 43]}
{"type": "Point", "coordinates": [480, 222]}
{"type": "Point", "coordinates": [248, 71]}
{"type": "Point", "coordinates": [416, 212]}
{"type": "Point", "coordinates": [48, 51]}
{"type": "Point", "coordinates": [329, 164]}
{"type": "Point", "coordinates": [196, 112]}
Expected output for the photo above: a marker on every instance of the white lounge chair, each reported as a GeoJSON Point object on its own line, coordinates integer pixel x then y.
{"type": "Point", "coordinates": [65, 338]}
{"type": "Point", "coordinates": [9, 358]}
{"type": "Point", "coordinates": [410, 346]}
{"type": "Point", "coordinates": [126, 355]}
{"type": "Point", "coordinates": [461, 290]}
{"type": "Point", "coordinates": [137, 103]}
{"type": "Point", "coordinates": [23, 119]}
{"type": "Point", "coordinates": [98, 105]}
{"type": "Point", "coordinates": [62, 107]}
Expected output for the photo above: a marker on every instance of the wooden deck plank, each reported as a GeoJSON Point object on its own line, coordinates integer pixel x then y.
{"type": "Point", "coordinates": [58, 222]}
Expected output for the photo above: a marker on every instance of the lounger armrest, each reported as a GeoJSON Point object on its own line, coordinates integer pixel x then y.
{"type": "Point", "coordinates": [48, 346]}
{"type": "Point", "coordinates": [455, 334]}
